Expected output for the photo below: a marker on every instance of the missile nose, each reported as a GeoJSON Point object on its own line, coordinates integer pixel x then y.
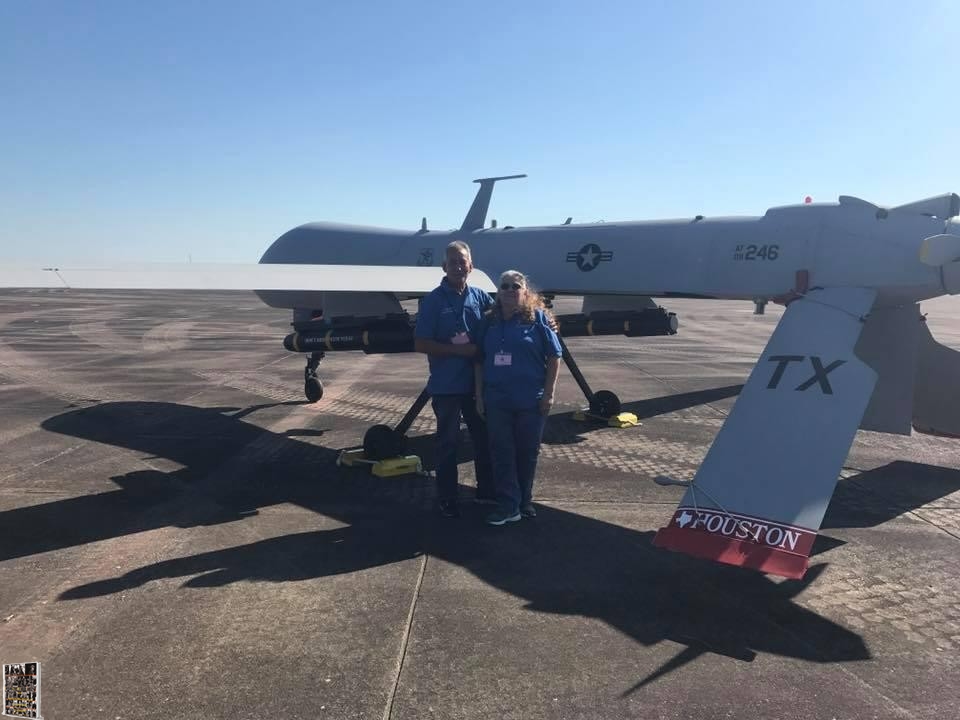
{"type": "Point", "coordinates": [951, 278]}
{"type": "Point", "coordinates": [939, 250]}
{"type": "Point", "coordinates": [953, 226]}
{"type": "Point", "coordinates": [950, 271]}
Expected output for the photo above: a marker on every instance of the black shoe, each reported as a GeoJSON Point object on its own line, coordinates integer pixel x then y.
{"type": "Point", "coordinates": [528, 510]}
{"type": "Point", "coordinates": [449, 509]}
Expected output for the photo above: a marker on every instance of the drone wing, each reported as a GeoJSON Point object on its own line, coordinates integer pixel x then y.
{"type": "Point", "coordinates": [236, 276]}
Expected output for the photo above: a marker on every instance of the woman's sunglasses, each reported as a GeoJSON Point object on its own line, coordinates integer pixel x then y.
{"type": "Point", "coordinates": [510, 286]}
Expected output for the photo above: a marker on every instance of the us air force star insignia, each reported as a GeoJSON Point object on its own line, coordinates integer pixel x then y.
{"type": "Point", "coordinates": [589, 256]}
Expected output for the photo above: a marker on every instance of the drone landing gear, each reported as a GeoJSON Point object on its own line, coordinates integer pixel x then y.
{"type": "Point", "coordinates": [383, 441]}
{"type": "Point", "coordinates": [312, 387]}
{"type": "Point", "coordinates": [604, 405]}
{"type": "Point", "coordinates": [385, 448]}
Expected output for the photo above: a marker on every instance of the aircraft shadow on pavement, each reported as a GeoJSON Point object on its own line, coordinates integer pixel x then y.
{"type": "Point", "coordinates": [652, 407]}
{"type": "Point", "coordinates": [875, 496]}
{"type": "Point", "coordinates": [562, 429]}
{"type": "Point", "coordinates": [560, 563]}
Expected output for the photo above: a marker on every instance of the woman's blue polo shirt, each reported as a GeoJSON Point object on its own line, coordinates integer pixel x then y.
{"type": "Point", "coordinates": [519, 385]}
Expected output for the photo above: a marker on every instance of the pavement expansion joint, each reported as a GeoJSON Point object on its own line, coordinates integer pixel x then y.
{"type": "Point", "coordinates": [405, 639]}
{"type": "Point", "coordinates": [930, 522]}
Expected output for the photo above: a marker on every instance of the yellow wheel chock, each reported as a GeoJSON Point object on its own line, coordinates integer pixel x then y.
{"type": "Point", "coordinates": [620, 420]}
{"type": "Point", "coordinates": [389, 467]}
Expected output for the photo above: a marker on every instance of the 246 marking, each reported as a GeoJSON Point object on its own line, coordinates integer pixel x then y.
{"type": "Point", "coordinates": [756, 252]}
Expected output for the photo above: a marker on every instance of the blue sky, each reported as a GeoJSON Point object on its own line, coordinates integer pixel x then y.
{"type": "Point", "coordinates": [162, 131]}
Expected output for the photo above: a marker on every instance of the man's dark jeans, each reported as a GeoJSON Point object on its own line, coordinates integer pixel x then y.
{"type": "Point", "coordinates": [448, 409]}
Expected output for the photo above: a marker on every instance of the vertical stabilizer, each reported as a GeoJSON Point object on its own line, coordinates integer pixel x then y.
{"type": "Point", "coordinates": [889, 344]}
{"type": "Point", "coordinates": [477, 215]}
{"type": "Point", "coordinates": [936, 398]}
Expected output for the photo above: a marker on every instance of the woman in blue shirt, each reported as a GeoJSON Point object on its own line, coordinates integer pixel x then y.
{"type": "Point", "coordinates": [516, 376]}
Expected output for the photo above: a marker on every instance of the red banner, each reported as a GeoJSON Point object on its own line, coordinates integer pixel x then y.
{"type": "Point", "coordinates": [756, 543]}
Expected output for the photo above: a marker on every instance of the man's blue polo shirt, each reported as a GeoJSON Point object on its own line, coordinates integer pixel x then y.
{"type": "Point", "coordinates": [443, 314]}
{"type": "Point", "coordinates": [519, 385]}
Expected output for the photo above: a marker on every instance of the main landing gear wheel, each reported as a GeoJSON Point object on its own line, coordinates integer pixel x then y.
{"type": "Point", "coordinates": [605, 404]}
{"type": "Point", "coordinates": [382, 441]}
{"type": "Point", "coordinates": [313, 389]}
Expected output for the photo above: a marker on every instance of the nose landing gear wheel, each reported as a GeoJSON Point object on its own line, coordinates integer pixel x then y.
{"type": "Point", "coordinates": [382, 441]}
{"type": "Point", "coordinates": [313, 389]}
{"type": "Point", "coordinates": [605, 404]}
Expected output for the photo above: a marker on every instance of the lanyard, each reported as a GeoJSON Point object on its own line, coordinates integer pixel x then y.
{"type": "Point", "coordinates": [446, 297]}
{"type": "Point", "coordinates": [503, 328]}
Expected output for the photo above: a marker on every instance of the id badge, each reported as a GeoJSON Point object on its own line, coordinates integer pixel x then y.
{"type": "Point", "coordinates": [502, 359]}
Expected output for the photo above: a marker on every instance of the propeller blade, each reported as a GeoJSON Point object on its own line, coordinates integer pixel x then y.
{"type": "Point", "coordinates": [938, 250]}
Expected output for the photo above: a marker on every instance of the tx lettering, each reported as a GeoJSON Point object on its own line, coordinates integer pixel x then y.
{"type": "Point", "coordinates": [819, 372]}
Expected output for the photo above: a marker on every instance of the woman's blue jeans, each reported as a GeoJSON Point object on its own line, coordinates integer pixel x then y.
{"type": "Point", "coordinates": [514, 437]}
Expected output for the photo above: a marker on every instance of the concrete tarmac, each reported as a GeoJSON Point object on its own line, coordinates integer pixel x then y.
{"type": "Point", "coordinates": [177, 540]}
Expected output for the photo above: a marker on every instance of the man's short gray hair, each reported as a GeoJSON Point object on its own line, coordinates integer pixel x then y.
{"type": "Point", "coordinates": [458, 246]}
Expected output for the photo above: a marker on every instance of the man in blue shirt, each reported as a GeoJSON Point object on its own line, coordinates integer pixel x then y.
{"type": "Point", "coordinates": [448, 317]}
